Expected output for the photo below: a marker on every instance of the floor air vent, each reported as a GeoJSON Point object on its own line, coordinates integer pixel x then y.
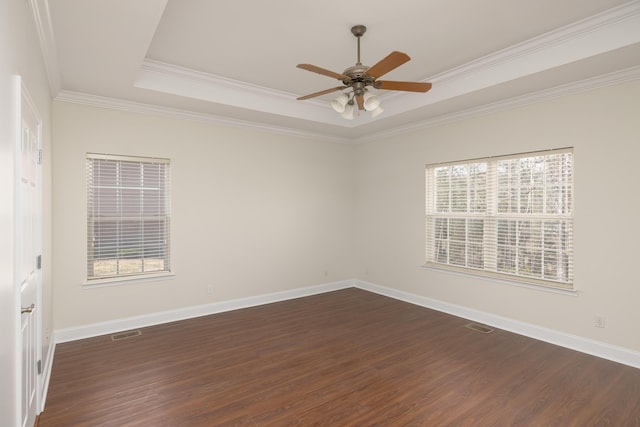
{"type": "Point", "coordinates": [126, 334]}
{"type": "Point", "coordinates": [479, 328]}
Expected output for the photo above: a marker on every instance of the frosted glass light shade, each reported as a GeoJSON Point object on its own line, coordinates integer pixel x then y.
{"type": "Point", "coordinates": [348, 112]}
{"type": "Point", "coordinates": [371, 102]}
{"type": "Point", "coordinates": [340, 103]}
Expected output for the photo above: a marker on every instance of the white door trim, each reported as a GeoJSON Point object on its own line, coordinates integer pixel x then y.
{"type": "Point", "coordinates": [28, 243]}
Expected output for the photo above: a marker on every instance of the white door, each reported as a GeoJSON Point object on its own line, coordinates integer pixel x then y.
{"type": "Point", "coordinates": [28, 259]}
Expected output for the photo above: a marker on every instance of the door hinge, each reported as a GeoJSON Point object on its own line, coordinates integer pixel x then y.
{"type": "Point", "coordinates": [39, 367]}
{"type": "Point", "coordinates": [40, 156]}
{"type": "Point", "coordinates": [39, 262]}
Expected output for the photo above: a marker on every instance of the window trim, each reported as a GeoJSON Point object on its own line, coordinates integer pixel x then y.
{"type": "Point", "coordinates": [125, 280]}
{"type": "Point", "coordinates": [121, 279]}
{"type": "Point", "coordinates": [515, 279]}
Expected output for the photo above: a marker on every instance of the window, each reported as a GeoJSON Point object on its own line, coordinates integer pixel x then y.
{"type": "Point", "coordinates": [128, 216]}
{"type": "Point", "coordinates": [507, 217]}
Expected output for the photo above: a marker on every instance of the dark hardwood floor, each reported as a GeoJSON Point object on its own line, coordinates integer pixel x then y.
{"type": "Point", "coordinates": [342, 358]}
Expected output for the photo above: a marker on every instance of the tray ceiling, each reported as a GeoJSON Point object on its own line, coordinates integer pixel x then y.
{"type": "Point", "coordinates": [235, 61]}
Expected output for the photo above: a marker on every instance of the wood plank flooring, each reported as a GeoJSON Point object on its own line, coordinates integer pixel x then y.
{"type": "Point", "coordinates": [344, 358]}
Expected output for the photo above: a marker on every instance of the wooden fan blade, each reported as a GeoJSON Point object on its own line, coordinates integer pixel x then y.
{"type": "Point", "coordinates": [360, 101]}
{"type": "Point", "coordinates": [390, 62]}
{"type": "Point", "coordinates": [324, 72]}
{"type": "Point", "coordinates": [406, 86]}
{"type": "Point", "coordinates": [322, 92]}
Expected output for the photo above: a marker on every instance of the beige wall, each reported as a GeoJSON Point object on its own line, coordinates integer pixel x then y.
{"type": "Point", "coordinates": [603, 126]}
{"type": "Point", "coordinates": [20, 55]}
{"type": "Point", "coordinates": [256, 213]}
{"type": "Point", "coordinates": [252, 213]}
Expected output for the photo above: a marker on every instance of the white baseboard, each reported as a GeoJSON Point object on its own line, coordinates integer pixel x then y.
{"type": "Point", "coordinates": [46, 373]}
{"type": "Point", "coordinates": [584, 345]}
{"type": "Point", "coordinates": [118, 325]}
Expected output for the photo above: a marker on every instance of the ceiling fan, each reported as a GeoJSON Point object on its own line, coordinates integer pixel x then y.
{"type": "Point", "coordinates": [360, 77]}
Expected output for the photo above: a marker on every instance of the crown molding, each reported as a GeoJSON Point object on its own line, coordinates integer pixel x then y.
{"type": "Point", "coordinates": [44, 28]}
{"type": "Point", "coordinates": [515, 102]}
{"type": "Point", "coordinates": [167, 78]}
{"type": "Point", "coordinates": [153, 66]}
{"type": "Point", "coordinates": [175, 113]}
{"type": "Point", "coordinates": [609, 19]}
{"type": "Point", "coordinates": [612, 29]}
{"type": "Point", "coordinates": [510, 103]}
{"type": "Point", "coordinates": [615, 28]}
{"type": "Point", "coordinates": [585, 85]}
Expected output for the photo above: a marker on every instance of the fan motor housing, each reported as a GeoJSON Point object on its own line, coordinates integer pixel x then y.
{"type": "Point", "coordinates": [357, 73]}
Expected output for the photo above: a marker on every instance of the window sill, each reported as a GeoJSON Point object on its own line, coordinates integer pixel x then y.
{"type": "Point", "coordinates": [118, 281]}
{"type": "Point", "coordinates": [503, 280]}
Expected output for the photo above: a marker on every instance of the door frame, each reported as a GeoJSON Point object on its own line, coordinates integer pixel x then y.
{"type": "Point", "coordinates": [23, 99]}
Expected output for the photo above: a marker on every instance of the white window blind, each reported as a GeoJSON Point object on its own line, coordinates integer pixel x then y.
{"type": "Point", "coordinates": [128, 216]}
{"type": "Point", "coordinates": [509, 217]}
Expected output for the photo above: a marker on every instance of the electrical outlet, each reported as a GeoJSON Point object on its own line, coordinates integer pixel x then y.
{"type": "Point", "coordinates": [210, 289]}
{"type": "Point", "coordinates": [598, 321]}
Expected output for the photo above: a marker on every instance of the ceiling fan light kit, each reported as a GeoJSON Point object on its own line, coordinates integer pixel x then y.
{"type": "Point", "coordinates": [340, 103]}
{"type": "Point", "coordinates": [358, 78]}
{"type": "Point", "coordinates": [371, 102]}
{"type": "Point", "coordinates": [348, 111]}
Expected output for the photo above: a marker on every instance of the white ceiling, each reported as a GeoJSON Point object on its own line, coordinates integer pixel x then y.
{"type": "Point", "coordinates": [234, 61]}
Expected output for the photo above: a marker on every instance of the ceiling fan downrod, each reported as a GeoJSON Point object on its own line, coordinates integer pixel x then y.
{"type": "Point", "coordinates": [358, 31]}
{"type": "Point", "coordinates": [357, 73]}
